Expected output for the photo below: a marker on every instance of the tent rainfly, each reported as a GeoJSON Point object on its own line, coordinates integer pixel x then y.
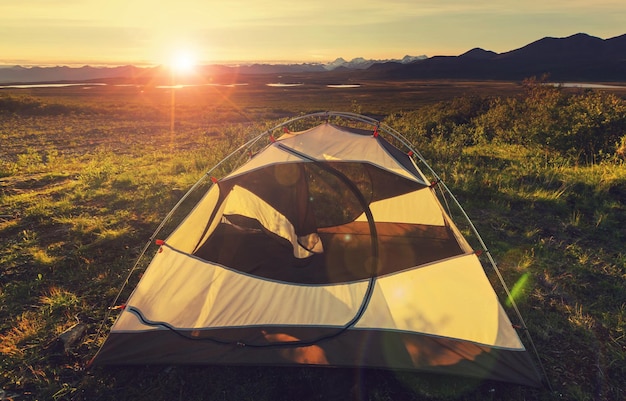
{"type": "Point", "coordinates": [328, 247]}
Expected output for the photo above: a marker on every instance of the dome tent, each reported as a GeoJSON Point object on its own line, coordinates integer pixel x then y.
{"type": "Point", "coordinates": [328, 247]}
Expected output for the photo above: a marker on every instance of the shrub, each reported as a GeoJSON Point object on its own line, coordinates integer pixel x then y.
{"type": "Point", "coordinates": [583, 127]}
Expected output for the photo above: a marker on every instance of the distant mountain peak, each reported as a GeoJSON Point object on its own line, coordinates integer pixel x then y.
{"type": "Point", "coordinates": [361, 63]}
{"type": "Point", "coordinates": [581, 35]}
{"type": "Point", "coordinates": [479, 54]}
{"type": "Point", "coordinates": [409, 59]}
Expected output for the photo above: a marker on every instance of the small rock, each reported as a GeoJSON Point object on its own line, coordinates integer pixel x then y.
{"type": "Point", "coordinates": [70, 336]}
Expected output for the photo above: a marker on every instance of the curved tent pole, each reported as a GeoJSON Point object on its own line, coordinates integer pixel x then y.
{"type": "Point", "coordinates": [327, 114]}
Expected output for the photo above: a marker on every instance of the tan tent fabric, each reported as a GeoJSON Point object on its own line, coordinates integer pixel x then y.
{"type": "Point", "coordinates": [404, 209]}
{"type": "Point", "coordinates": [327, 142]}
{"type": "Point", "coordinates": [452, 299]}
{"type": "Point", "coordinates": [192, 228]}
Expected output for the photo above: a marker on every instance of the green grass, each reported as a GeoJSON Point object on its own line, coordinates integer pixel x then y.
{"type": "Point", "coordinates": [86, 178]}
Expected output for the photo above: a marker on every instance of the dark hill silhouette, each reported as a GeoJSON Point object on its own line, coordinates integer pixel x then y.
{"type": "Point", "coordinates": [579, 57]}
{"type": "Point", "coordinates": [577, 47]}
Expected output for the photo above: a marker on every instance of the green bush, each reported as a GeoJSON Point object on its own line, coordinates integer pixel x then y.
{"type": "Point", "coordinates": [584, 127]}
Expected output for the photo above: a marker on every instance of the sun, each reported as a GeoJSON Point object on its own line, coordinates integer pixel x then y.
{"type": "Point", "coordinates": [183, 62]}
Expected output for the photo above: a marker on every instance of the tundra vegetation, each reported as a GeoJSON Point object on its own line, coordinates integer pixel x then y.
{"type": "Point", "coordinates": [87, 175]}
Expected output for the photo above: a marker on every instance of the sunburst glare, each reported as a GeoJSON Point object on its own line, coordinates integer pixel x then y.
{"type": "Point", "coordinates": [183, 62]}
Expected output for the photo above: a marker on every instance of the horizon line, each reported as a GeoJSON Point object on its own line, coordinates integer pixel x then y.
{"type": "Point", "coordinates": [143, 64]}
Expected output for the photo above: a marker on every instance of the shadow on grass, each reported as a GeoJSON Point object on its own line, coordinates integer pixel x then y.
{"type": "Point", "coordinates": [276, 384]}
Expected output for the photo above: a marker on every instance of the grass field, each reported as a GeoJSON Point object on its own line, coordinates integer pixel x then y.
{"type": "Point", "coordinates": [86, 175]}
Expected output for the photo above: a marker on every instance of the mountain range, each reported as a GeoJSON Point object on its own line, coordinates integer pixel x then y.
{"type": "Point", "coordinates": [579, 57]}
{"type": "Point", "coordinates": [20, 74]}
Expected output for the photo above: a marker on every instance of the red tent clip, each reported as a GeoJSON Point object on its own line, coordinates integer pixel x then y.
{"type": "Point", "coordinates": [286, 130]}
{"type": "Point", "coordinates": [214, 180]}
{"type": "Point", "coordinates": [272, 138]}
{"type": "Point", "coordinates": [410, 153]}
{"type": "Point", "coordinates": [160, 243]}
{"type": "Point", "coordinates": [118, 307]}
{"type": "Point", "coordinates": [479, 252]}
{"type": "Point", "coordinates": [375, 133]}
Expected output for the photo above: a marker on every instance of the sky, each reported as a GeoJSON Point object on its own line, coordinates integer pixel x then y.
{"type": "Point", "coordinates": [152, 32]}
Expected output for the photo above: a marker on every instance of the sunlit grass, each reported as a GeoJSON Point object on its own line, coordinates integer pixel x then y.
{"type": "Point", "coordinates": [579, 318]}
{"type": "Point", "coordinates": [40, 256]}
{"type": "Point", "coordinates": [59, 301]}
{"type": "Point", "coordinates": [26, 327]}
{"type": "Point", "coordinates": [110, 234]}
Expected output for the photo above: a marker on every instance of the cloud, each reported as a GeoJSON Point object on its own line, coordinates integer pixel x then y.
{"type": "Point", "coordinates": [196, 14]}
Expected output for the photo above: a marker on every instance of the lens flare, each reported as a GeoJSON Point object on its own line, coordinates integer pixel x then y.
{"type": "Point", "coordinates": [518, 288]}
